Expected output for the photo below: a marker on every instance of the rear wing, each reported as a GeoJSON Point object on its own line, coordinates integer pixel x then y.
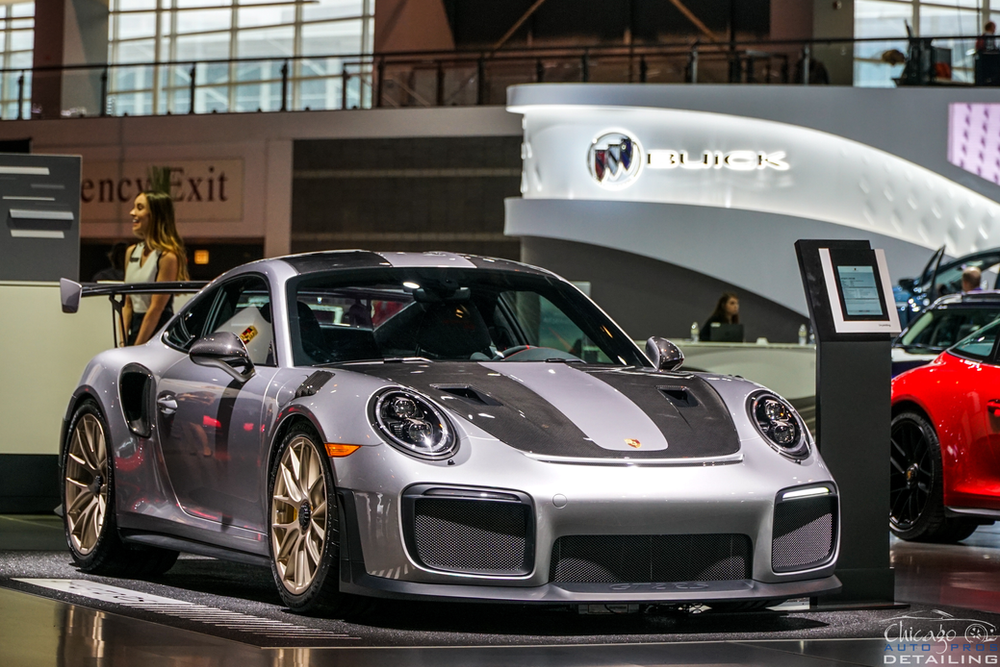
{"type": "Point", "coordinates": [70, 293]}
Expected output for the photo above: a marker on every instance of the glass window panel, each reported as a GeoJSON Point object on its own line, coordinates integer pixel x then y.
{"type": "Point", "coordinates": [340, 37]}
{"type": "Point", "coordinates": [952, 21]}
{"type": "Point", "coordinates": [319, 94]}
{"type": "Point", "coordinates": [20, 24]}
{"type": "Point", "coordinates": [259, 70]}
{"type": "Point", "coordinates": [132, 5]}
{"type": "Point", "coordinates": [331, 9]}
{"type": "Point", "coordinates": [869, 74]}
{"type": "Point", "coordinates": [262, 96]}
{"type": "Point", "coordinates": [204, 20]}
{"type": "Point", "coordinates": [948, 21]}
{"type": "Point", "coordinates": [266, 42]}
{"type": "Point", "coordinates": [3, 11]}
{"type": "Point", "coordinates": [23, 9]}
{"type": "Point", "coordinates": [142, 51]}
{"type": "Point", "coordinates": [973, 4]}
{"type": "Point", "coordinates": [264, 16]}
{"type": "Point", "coordinates": [20, 59]}
{"type": "Point", "coordinates": [184, 4]}
{"type": "Point", "coordinates": [3, 40]}
{"type": "Point", "coordinates": [22, 40]}
{"type": "Point", "coordinates": [208, 100]}
{"type": "Point", "coordinates": [319, 67]}
{"type": "Point", "coordinates": [131, 26]}
{"type": "Point", "coordinates": [214, 46]}
{"type": "Point", "coordinates": [212, 74]}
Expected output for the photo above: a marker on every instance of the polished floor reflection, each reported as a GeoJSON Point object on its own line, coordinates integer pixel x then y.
{"type": "Point", "coordinates": [36, 630]}
{"type": "Point", "coordinates": [961, 575]}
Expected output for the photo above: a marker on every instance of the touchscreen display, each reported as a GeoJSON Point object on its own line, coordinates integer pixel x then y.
{"type": "Point", "coordinates": [860, 291]}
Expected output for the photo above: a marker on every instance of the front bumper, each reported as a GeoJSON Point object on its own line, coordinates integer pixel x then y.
{"type": "Point", "coordinates": [360, 582]}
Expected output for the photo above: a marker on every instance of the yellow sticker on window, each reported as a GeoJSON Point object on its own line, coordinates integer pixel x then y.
{"type": "Point", "coordinates": [248, 334]}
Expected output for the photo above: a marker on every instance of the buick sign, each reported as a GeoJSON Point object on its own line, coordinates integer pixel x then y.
{"type": "Point", "coordinates": [614, 159]}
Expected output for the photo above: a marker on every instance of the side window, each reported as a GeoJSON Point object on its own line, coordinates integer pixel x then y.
{"type": "Point", "coordinates": [188, 328]}
{"type": "Point", "coordinates": [244, 308]}
{"type": "Point", "coordinates": [979, 345]}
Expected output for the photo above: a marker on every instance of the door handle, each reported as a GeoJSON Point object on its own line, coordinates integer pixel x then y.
{"type": "Point", "coordinates": [993, 405]}
{"type": "Point", "coordinates": [167, 404]}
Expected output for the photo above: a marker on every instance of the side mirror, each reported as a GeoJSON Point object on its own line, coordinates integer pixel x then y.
{"type": "Point", "coordinates": [223, 350]}
{"type": "Point", "coordinates": [665, 355]}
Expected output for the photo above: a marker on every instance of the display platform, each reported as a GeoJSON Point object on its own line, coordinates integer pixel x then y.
{"type": "Point", "coordinates": [238, 602]}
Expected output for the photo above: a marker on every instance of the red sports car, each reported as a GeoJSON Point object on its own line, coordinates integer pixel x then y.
{"type": "Point", "coordinates": [945, 475]}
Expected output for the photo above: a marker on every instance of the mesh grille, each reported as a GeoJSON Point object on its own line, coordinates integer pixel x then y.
{"type": "Point", "coordinates": [608, 559]}
{"type": "Point", "coordinates": [804, 533]}
{"type": "Point", "coordinates": [471, 535]}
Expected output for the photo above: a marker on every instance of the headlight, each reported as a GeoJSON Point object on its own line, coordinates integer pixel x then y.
{"type": "Point", "coordinates": [412, 424]}
{"type": "Point", "coordinates": [780, 425]}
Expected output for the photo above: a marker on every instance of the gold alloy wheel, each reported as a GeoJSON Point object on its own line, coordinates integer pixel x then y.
{"type": "Point", "coordinates": [298, 515]}
{"type": "Point", "coordinates": [86, 483]}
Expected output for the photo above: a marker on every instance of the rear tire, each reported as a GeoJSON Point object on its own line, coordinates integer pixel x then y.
{"type": "Point", "coordinates": [88, 495]}
{"type": "Point", "coordinates": [916, 484]}
{"type": "Point", "coordinates": [304, 535]}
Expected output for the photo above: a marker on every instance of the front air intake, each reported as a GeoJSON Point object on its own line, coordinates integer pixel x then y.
{"type": "Point", "coordinates": [491, 536]}
{"type": "Point", "coordinates": [610, 559]}
{"type": "Point", "coordinates": [804, 534]}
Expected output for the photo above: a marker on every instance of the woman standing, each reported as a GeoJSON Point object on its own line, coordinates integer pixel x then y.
{"type": "Point", "coordinates": [159, 256]}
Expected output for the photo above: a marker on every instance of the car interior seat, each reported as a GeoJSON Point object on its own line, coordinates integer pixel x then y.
{"type": "Point", "coordinates": [453, 331]}
{"type": "Point", "coordinates": [311, 334]}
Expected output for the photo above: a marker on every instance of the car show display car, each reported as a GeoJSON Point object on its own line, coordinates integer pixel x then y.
{"type": "Point", "coordinates": [940, 278]}
{"type": "Point", "coordinates": [439, 426]}
{"type": "Point", "coordinates": [947, 321]}
{"type": "Point", "coordinates": [945, 437]}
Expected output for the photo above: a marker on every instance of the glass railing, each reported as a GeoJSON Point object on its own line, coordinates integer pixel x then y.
{"type": "Point", "coordinates": [468, 78]}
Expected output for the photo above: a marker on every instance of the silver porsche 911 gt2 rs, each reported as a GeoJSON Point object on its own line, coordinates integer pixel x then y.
{"type": "Point", "coordinates": [406, 425]}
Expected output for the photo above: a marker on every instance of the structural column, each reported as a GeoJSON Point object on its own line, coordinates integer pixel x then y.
{"type": "Point", "coordinates": [69, 32]}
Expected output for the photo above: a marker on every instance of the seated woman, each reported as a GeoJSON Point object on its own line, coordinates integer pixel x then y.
{"type": "Point", "coordinates": [727, 311]}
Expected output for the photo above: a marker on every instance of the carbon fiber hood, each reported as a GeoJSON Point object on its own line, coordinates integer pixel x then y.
{"type": "Point", "coordinates": [575, 410]}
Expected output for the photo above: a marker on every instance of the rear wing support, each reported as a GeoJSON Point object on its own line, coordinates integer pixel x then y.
{"type": "Point", "coordinates": [70, 293]}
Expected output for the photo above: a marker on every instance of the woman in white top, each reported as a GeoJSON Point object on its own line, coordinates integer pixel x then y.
{"type": "Point", "coordinates": [158, 257]}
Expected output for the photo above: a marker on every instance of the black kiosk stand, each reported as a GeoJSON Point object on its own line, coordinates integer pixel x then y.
{"type": "Point", "coordinates": [850, 301]}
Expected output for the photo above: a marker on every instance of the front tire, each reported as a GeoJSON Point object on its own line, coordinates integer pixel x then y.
{"type": "Point", "coordinates": [89, 504]}
{"type": "Point", "coordinates": [916, 484]}
{"type": "Point", "coordinates": [305, 526]}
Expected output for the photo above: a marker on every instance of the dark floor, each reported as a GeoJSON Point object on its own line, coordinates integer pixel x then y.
{"type": "Point", "coordinates": [206, 612]}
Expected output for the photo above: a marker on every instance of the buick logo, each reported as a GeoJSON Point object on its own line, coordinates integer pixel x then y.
{"type": "Point", "coordinates": [614, 159]}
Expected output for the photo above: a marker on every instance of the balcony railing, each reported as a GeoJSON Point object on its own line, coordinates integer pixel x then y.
{"type": "Point", "coordinates": [466, 78]}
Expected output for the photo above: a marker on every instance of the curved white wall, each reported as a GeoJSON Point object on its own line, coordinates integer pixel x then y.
{"type": "Point", "coordinates": [803, 173]}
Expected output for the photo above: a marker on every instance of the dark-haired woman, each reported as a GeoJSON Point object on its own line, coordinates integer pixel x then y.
{"type": "Point", "coordinates": [159, 256]}
{"type": "Point", "coordinates": [727, 311]}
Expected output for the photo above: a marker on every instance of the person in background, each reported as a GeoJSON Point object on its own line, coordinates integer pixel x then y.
{"type": "Point", "coordinates": [972, 279]}
{"type": "Point", "coordinates": [987, 41]}
{"type": "Point", "coordinates": [116, 256]}
{"type": "Point", "coordinates": [727, 311]}
{"type": "Point", "coordinates": [159, 256]}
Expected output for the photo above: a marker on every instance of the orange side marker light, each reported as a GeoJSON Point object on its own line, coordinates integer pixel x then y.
{"type": "Point", "coordinates": [335, 449]}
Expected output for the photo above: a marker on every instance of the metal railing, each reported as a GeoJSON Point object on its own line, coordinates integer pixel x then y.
{"type": "Point", "coordinates": [464, 78]}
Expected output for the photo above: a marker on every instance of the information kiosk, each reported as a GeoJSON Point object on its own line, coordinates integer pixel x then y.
{"type": "Point", "coordinates": [850, 301]}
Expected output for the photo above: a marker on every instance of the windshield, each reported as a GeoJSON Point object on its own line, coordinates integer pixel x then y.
{"type": "Point", "coordinates": [943, 327]}
{"type": "Point", "coordinates": [449, 314]}
{"type": "Point", "coordinates": [978, 346]}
